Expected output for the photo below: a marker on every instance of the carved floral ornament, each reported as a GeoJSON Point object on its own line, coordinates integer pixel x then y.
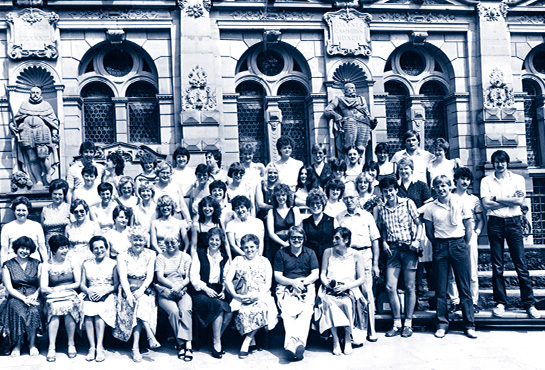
{"type": "Point", "coordinates": [492, 13]}
{"type": "Point", "coordinates": [195, 8]}
{"type": "Point", "coordinates": [199, 96]}
{"type": "Point", "coordinates": [498, 94]}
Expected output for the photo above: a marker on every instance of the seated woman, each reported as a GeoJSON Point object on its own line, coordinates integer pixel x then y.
{"type": "Point", "coordinates": [340, 303]}
{"type": "Point", "coordinates": [209, 216]}
{"type": "Point", "coordinates": [22, 313]}
{"type": "Point", "coordinates": [136, 303]}
{"type": "Point", "coordinates": [119, 235]}
{"type": "Point", "coordinates": [243, 224]}
{"type": "Point", "coordinates": [59, 281]}
{"type": "Point", "coordinates": [125, 192]}
{"type": "Point", "coordinates": [279, 220]}
{"type": "Point", "coordinates": [295, 270]}
{"type": "Point", "coordinates": [166, 224]}
{"type": "Point", "coordinates": [99, 281]}
{"type": "Point", "coordinates": [80, 231]}
{"type": "Point", "coordinates": [209, 300]}
{"type": "Point", "coordinates": [252, 296]}
{"type": "Point", "coordinates": [172, 268]}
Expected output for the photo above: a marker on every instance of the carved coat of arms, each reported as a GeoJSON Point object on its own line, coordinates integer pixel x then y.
{"type": "Point", "coordinates": [199, 96]}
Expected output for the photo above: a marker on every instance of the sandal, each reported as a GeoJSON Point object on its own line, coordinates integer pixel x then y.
{"type": "Point", "coordinates": [51, 356]}
{"type": "Point", "coordinates": [188, 355]}
{"type": "Point", "coordinates": [91, 355]}
{"type": "Point", "coordinates": [136, 356]}
{"type": "Point", "coordinates": [100, 355]}
{"type": "Point", "coordinates": [153, 343]}
{"type": "Point", "coordinates": [181, 353]}
{"type": "Point", "coordinates": [34, 352]}
{"type": "Point", "coordinates": [72, 352]}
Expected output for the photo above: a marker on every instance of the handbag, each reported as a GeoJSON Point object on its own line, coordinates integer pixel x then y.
{"type": "Point", "coordinates": [166, 292]}
{"type": "Point", "coordinates": [240, 285]}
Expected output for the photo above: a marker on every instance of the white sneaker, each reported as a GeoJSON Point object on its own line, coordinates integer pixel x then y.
{"type": "Point", "coordinates": [499, 310]}
{"type": "Point", "coordinates": [533, 312]}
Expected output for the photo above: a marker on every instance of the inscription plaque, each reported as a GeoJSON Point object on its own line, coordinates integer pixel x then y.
{"type": "Point", "coordinates": [348, 33]}
{"type": "Point", "coordinates": [31, 34]}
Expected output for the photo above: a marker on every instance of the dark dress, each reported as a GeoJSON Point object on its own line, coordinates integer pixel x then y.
{"type": "Point", "coordinates": [280, 224]}
{"type": "Point", "coordinates": [206, 308]}
{"type": "Point", "coordinates": [324, 177]}
{"type": "Point", "coordinates": [267, 198]}
{"type": "Point", "coordinates": [18, 318]}
{"type": "Point", "coordinates": [319, 237]}
{"type": "Point", "coordinates": [418, 192]}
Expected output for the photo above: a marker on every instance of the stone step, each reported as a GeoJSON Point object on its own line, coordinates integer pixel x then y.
{"type": "Point", "coordinates": [513, 292]}
{"type": "Point", "coordinates": [511, 273]}
{"type": "Point", "coordinates": [538, 247]}
{"type": "Point", "coordinates": [518, 316]}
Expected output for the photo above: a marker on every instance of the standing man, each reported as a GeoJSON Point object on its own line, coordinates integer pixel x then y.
{"type": "Point", "coordinates": [87, 151]}
{"type": "Point", "coordinates": [365, 236]}
{"type": "Point", "coordinates": [503, 194]}
{"type": "Point", "coordinates": [449, 228]}
{"type": "Point", "coordinates": [295, 270]}
{"type": "Point", "coordinates": [402, 233]}
{"type": "Point", "coordinates": [420, 157]}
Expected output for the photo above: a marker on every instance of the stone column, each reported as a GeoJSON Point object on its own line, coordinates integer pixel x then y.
{"type": "Point", "coordinates": [121, 121]}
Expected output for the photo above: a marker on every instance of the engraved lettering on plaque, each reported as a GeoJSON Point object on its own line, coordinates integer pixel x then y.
{"type": "Point", "coordinates": [31, 34]}
{"type": "Point", "coordinates": [348, 33]}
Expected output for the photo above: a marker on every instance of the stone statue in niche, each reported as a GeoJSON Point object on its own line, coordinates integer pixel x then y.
{"type": "Point", "coordinates": [35, 127]}
{"type": "Point", "coordinates": [352, 119]}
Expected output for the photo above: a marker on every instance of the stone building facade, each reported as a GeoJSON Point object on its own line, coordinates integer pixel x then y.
{"type": "Point", "coordinates": [151, 75]}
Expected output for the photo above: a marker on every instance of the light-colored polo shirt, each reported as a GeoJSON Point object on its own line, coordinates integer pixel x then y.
{"type": "Point", "coordinates": [491, 186]}
{"type": "Point", "coordinates": [421, 158]}
{"type": "Point", "coordinates": [448, 219]}
{"type": "Point", "coordinates": [361, 224]}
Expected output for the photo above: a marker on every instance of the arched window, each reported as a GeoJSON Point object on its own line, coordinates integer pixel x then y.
{"type": "Point", "coordinates": [251, 118]}
{"type": "Point", "coordinates": [396, 116]}
{"type": "Point", "coordinates": [143, 113]}
{"type": "Point", "coordinates": [98, 113]}
{"type": "Point", "coordinates": [531, 103]}
{"type": "Point", "coordinates": [281, 70]}
{"type": "Point", "coordinates": [434, 105]}
{"type": "Point", "coordinates": [125, 67]}
{"type": "Point", "coordinates": [294, 116]}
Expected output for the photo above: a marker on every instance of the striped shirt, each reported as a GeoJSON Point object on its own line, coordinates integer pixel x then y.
{"type": "Point", "coordinates": [399, 221]}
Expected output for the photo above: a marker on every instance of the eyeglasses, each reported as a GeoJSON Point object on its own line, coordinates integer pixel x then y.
{"type": "Point", "coordinates": [297, 238]}
{"type": "Point", "coordinates": [79, 211]}
{"type": "Point", "coordinates": [336, 237]}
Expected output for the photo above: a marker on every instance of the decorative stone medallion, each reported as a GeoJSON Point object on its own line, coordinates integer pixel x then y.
{"type": "Point", "coordinates": [32, 34]}
{"type": "Point", "coordinates": [199, 96]}
{"type": "Point", "coordinates": [348, 33]}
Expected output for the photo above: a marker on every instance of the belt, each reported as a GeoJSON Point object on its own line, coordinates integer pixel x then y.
{"type": "Point", "coordinates": [360, 248]}
{"type": "Point", "coordinates": [505, 218]}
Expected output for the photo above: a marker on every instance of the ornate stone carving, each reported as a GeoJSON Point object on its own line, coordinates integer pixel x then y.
{"type": "Point", "coordinates": [131, 153]}
{"type": "Point", "coordinates": [272, 37]}
{"type": "Point", "coordinates": [416, 17]}
{"type": "Point", "coordinates": [115, 36]}
{"type": "Point", "coordinates": [348, 33]}
{"type": "Point", "coordinates": [108, 13]}
{"type": "Point", "coordinates": [531, 19]}
{"type": "Point", "coordinates": [498, 98]}
{"type": "Point", "coordinates": [419, 38]}
{"type": "Point", "coordinates": [199, 96]}
{"type": "Point", "coordinates": [195, 8]}
{"type": "Point", "coordinates": [349, 72]}
{"type": "Point", "coordinates": [29, 3]}
{"type": "Point", "coordinates": [492, 13]}
{"type": "Point", "coordinates": [32, 34]}
{"type": "Point", "coordinates": [274, 15]}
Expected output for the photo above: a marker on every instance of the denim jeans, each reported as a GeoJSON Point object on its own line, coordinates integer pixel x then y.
{"type": "Point", "coordinates": [447, 253]}
{"type": "Point", "coordinates": [510, 230]}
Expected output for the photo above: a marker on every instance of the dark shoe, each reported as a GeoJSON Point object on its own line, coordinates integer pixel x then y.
{"type": "Point", "coordinates": [394, 331]}
{"type": "Point", "coordinates": [476, 308]}
{"type": "Point", "coordinates": [369, 338]}
{"type": "Point", "coordinates": [243, 354]}
{"type": "Point", "coordinates": [216, 354]}
{"type": "Point", "coordinates": [299, 352]}
{"type": "Point", "coordinates": [471, 333]}
{"type": "Point", "coordinates": [407, 332]}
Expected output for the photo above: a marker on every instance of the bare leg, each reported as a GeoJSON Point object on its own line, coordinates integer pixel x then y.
{"type": "Point", "coordinates": [137, 357]}
{"type": "Point", "coordinates": [347, 342]}
{"type": "Point", "coordinates": [153, 343]}
{"type": "Point", "coordinates": [70, 326]}
{"type": "Point", "coordinates": [217, 327]}
{"type": "Point", "coordinates": [53, 329]}
{"type": "Point", "coordinates": [336, 343]}
{"type": "Point", "coordinates": [99, 325]}
{"type": "Point", "coordinates": [247, 340]}
{"type": "Point", "coordinates": [89, 328]}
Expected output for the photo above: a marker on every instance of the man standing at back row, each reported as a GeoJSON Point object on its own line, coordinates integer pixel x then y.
{"type": "Point", "coordinates": [503, 193]}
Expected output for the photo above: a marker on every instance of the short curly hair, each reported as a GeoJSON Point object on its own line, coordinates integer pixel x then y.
{"type": "Point", "coordinates": [21, 200]}
{"type": "Point", "coordinates": [334, 184]}
{"type": "Point", "coordinates": [241, 200]}
{"type": "Point", "coordinates": [79, 202]}
{"type": "Point", "coordinates": [163, 201]}
{"type": "Point", "coordinates": [316, 195]}
{"type": "Point", "coordinates": [97, 238]}
{"type": "Point", "coordinates": [138, 231]}
{"type": "Point", "coordinates": [249, 238]}
{"type": "Point", "coordinates": [58, 184]}
{"type": "Point", "coordinates": [124, 181]}
{"type": "Point", "coordinates": [24, 241]}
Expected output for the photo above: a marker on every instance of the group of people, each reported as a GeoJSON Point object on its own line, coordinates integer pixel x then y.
{"type": "Point", "coordinates": [255, 243]}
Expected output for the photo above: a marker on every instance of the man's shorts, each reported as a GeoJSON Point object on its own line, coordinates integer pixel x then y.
{"type": "Point", "coordinates": [404, 259]}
